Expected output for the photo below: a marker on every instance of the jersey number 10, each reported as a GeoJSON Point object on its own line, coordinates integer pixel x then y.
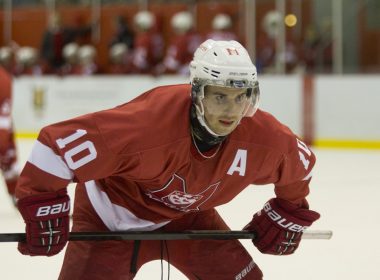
{"type": "Point", "coordinates": [86, 145]}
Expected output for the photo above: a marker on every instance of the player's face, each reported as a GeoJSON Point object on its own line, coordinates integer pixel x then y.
{"type": "Point", "coordinates": [224, 107]}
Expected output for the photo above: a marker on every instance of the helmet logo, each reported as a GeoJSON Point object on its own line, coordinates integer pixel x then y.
{"type": "Point", "coordinates": [232, 51]}
{"type": "Point", "coordinates": [203, 48]}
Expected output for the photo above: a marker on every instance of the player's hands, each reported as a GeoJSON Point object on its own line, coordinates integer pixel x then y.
{"type": "Point", "coordinates": [46, 216]}
{"type": "Point", "coordinates": [279, 226]}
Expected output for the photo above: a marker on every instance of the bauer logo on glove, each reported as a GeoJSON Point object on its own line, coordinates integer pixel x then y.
{"type": "Point", "coordinates": [282, 221]}
{"type": "Point", "coordinates": [54, 209]}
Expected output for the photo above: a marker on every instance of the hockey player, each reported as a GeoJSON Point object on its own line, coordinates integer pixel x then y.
{"type": "Point", "coordinates": [148, 45]}
{"type": "Point", "coordinates": [222, 28]}
{"type": "Point", "coordinates": [182, 45]}
{"type": "Point", "coordinates": [164, 161]}
{"type": "Point", "coordinates": [8, 154]}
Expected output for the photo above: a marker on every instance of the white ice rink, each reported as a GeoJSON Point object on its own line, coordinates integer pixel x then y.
{"type": "Point", "coordinates": [345, 190]}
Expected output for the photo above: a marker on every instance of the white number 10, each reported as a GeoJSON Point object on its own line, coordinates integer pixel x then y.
{"type": "Point", "coordinates": [87, 145]}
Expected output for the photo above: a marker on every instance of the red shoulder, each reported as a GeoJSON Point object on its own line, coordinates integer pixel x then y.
{"type": "Point", "coordinates": [155, 118]}
{"type": "Point", "coordinates": [265, 130]}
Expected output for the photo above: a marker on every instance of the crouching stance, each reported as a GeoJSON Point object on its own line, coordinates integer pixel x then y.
{"type": "Point", "coordinates": [163, 162]}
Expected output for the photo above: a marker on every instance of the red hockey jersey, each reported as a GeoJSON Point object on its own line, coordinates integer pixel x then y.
{"type": "Point", "coordinates": [148, 52]}
{"type": "Point", "coordinates": [8, 154]}
{"type": "Point", "coordinates": [180, 52]}
{"type": "Point", "coordinates": [141, 169]}
{"type": "Point", "coordinates": [5, 110]}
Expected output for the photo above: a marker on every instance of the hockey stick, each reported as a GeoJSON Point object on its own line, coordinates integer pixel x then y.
{"type": "Point", "coordinates": [144, 235]}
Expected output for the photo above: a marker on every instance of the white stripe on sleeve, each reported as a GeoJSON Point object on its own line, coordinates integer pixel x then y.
{"type": "Point", "coordinates": [116, 217]}
{"type": "Point", "coordinates": [45, 159]}
{"type": "Point", "coordinates": [308, 176]}
{"type": "Point", "coordinates": [5, 122]}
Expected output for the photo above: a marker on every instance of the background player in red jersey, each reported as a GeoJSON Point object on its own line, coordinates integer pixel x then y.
{"type": "Point", "coordinates": [148, 47]}
{"type": "Point", "coordinates": [164, 161]}
{"type": "Point", "coordinates": [182, 45]}
{"type": "Point", "coordinates": [8, 153]}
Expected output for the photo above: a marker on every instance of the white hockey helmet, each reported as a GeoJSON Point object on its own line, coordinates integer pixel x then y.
{"type": "Point", "coordinates": [182, 22]}
{"type": "Point", "coordinates": [271, 23]}
{"type": "Point", "coordinates": [86, 54]}
{"type": "Point", "coordinates": [144, 20]}
{"type": "Point", "coordinates": [118, 52]}
{"type": "Point", "coordinates": [5, 54]}
{"type": "Point", "coordinates": [221, 22]}
{"type": "Point", "coordinates": [70, 51]}
{"type": "Point", "coordinates": [225, 64]}
{"type": "Point", "coordinates": [26, 56]}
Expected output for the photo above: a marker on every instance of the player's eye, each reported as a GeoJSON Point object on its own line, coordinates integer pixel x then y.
{"type": "Point", "coordinates": [220, 98]}
{"type": "Point", "coordinates": [241, 98]}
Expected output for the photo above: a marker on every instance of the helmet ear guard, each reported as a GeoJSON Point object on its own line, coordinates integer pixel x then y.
{"type": "Point", "coordinates": [196, 87]}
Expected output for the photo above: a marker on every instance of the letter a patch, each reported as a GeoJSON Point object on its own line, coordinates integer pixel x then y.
{"type": "Point", "coordinates": [239, 164]}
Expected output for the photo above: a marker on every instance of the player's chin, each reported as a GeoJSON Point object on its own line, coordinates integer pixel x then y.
{"type": "Point", "coordinates": [225, 130]}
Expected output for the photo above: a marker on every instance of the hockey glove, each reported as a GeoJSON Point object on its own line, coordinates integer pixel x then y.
{"type": "Point", "coordinates": [279, 226]}
{"type": "Point", "coordinates": [47, 222]}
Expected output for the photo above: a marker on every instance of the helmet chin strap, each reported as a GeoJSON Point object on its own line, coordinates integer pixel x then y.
{"type": "Point", "coordinates": [199, 110]}
{"type": "Point", "coordinates": [201, 131]}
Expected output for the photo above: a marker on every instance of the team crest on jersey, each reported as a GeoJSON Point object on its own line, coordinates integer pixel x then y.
{"type": "Point", "coordinates": [174, 195]}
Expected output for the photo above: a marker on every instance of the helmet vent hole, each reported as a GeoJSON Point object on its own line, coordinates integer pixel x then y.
{"type": "Point", "coordinates": [215, 73]}
{"type": "Point", "coordinates": [215, 54]}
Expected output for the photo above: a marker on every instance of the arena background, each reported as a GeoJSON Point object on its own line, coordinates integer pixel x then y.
{"type": "Point", "coordinates": [333, 106]}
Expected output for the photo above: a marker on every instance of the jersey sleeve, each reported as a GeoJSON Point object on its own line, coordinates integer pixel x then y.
{"type": "Point", "coordinates": [73, 151]}
{"type": "Point", "coordinates": [295, 171]}
{"type": "Point", "coordinates": [8, 152]}
{"type": "Point", "coordinates": [6, 130]}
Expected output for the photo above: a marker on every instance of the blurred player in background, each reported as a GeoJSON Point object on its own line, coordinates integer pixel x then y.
{"type": "Point", "coordinates": [87, 64]}
{"type": "Point", "coordinates": [8, 153]}
{"type": "Point", "coordinates": [6, 59]}
{"type": "Point", "coordinates": [182, 45]}
{"type": "Point", "coordinates": [222, 28]}
{"type": "Point", "coordinates": [148, 44]}
{"type": "Point", "coordinates": [120, 59]}
{"type": "Point", "coordinates": [26, 62]}
{"type": "Point", "coordinates": [123, 34]}
{"type": "Point", "coordinates": [164, 161]}
{"type": "Point", "coordinates": [70, 55]}
{"type": "Point", "coordinates": [57, 36]}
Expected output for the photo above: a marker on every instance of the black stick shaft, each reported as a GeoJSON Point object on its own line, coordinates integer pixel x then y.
{"type": "Point", "coordinates": [143, 235]}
